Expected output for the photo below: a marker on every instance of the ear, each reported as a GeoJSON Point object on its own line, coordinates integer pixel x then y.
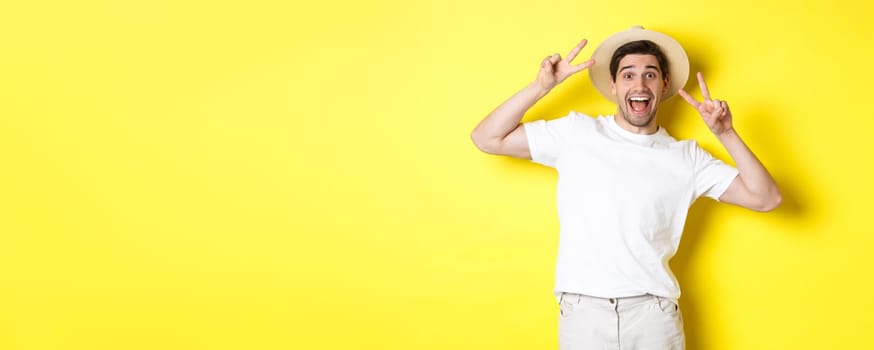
{"type": "Point", "coordinates": [667, 82]}
{"type": "Point", "coordinates": [613, 87]}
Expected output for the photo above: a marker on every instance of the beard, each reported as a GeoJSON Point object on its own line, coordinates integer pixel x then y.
{"type": "Point", "coordinates": [638, 120]}
{"type": "Point", "coordinates": [641, 118]}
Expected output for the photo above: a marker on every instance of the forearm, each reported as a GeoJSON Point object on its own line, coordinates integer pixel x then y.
{"type": "Point", "coordinates": [756, 179]}
{"type": "Point", "coordinates": [506, 117]}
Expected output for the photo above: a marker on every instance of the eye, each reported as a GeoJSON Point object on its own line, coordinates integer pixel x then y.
{"type": "Point", "coordinates": [650, 75]}
{"type": "Point", "coordinates": [626, 75]}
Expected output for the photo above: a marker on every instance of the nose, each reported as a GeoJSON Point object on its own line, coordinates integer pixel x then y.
{"type": "Point", "coordinates": [639, 83]}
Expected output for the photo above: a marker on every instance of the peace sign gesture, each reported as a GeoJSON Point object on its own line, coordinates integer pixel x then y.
{"type": "Point", "coordinates": [715, 113]}
{"type": "Point", "coordinates": [554, 69]}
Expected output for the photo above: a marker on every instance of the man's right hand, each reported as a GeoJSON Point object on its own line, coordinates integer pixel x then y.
{"type": "Point", "coordinates": [501, 131]}
{"type": "Point", "coordinates": [554, 69]}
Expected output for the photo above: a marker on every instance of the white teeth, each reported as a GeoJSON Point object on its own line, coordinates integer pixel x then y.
{"type": "Point", "coordinates": [639, 99]}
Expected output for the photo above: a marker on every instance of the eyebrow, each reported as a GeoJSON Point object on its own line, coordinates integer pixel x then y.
{"type": "Point", "coordinates": [648, 66]}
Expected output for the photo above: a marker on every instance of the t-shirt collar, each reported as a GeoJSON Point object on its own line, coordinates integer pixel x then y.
{"type": "Point", "coordinates": [661, 135]}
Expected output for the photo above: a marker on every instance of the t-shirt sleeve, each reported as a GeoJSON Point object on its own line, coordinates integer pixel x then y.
{"type": "Point", "coordinates": [546, 139]}
{"type": "Point", "coordinates": [712, 176]}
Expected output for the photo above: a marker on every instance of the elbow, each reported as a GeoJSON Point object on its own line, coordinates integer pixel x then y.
{"type": "Point", "coordinates": [771, 202]}
{"type": "Point", "coordinates": [481, 142]}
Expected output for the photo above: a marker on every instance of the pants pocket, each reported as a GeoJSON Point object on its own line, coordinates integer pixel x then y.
{"type": "Point", "coordinates": [566, 306]}
{"type": "Point", "coordinates": [667, 306]}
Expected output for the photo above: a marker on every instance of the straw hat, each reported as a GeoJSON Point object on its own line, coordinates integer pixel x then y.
{"type": "Point", "coordinates": [678, 62]}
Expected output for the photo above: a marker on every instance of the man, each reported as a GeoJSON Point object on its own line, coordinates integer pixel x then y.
{"type": "Point", "coordinates": [625, 186]}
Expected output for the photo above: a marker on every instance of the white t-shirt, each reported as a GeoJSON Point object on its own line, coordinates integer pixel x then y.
{"type": "Point", "coordinates": [622, 202]}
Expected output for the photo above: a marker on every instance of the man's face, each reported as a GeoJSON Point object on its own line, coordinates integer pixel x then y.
{"type": "Point", "coordinates": [638, 88]}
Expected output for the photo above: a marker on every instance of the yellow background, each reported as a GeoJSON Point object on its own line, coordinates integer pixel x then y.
{"type": "Point", "coordinates": [290, 175]}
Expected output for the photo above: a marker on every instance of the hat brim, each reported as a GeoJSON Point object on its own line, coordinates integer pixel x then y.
{"type": "Point", "coordinates": [678, 62]}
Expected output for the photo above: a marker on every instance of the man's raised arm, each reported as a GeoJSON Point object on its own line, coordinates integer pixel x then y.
{"type": "Point", "coordinates": [501, 132]}
{"type": "Point", "coordinates": [753, 188]}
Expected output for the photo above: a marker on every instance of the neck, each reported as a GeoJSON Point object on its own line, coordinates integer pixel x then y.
{"type": "Point", "coordinates": [651, 128]}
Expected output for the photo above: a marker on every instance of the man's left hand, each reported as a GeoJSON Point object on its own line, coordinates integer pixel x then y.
{"type": "Point", "coordinates": [715, 113]}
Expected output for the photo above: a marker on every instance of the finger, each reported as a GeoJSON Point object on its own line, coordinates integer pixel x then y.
{"type": "Point", "coordinates": [576, 50]}
{"type": "Point", "coordinates": [546, 66]}
{"type": "Point", "coordinates": [688, 98]}
{"type": "Point", "coordinates": [555, 58]}
{"type": "Point", "coordinates": [583, 65]}
{"type": "Point", "coordinates": [705, 92]}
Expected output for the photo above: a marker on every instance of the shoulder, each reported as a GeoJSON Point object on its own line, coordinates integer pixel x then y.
{"type": "Point", "coordinates": [577, 118]}
{"type": "Point", "coordinates": [582, 121]}
{"type": "Point", "coordinates": [571, 122]}
{"type": "Point", "coordinates": [697, 154]}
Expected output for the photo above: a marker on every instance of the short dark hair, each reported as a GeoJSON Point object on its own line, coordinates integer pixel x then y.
{"type": "Point", "coordinates": [640, 47]}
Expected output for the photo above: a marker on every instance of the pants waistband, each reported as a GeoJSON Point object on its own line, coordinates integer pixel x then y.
{"type": "Point", "coordinates": [615, 303]}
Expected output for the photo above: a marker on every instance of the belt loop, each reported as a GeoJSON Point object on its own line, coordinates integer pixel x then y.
{"type": "Point", "coordinates": [579, 298]}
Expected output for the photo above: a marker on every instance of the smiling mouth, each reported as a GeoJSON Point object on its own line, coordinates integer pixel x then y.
{"type": "Point", "coordinates": [639, 104]}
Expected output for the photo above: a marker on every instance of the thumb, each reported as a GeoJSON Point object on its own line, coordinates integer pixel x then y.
{"type": "Point", "coordinates": [546, 64]}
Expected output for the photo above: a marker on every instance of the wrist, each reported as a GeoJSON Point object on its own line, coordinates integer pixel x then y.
{"type": "Point", "coordinates": [730, 133]}
{"type": "Point", "coordinates": [538, 89]}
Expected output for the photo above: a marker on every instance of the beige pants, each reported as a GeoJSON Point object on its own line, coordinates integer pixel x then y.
{"type": "Point", "coordinates": [633, 323]}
